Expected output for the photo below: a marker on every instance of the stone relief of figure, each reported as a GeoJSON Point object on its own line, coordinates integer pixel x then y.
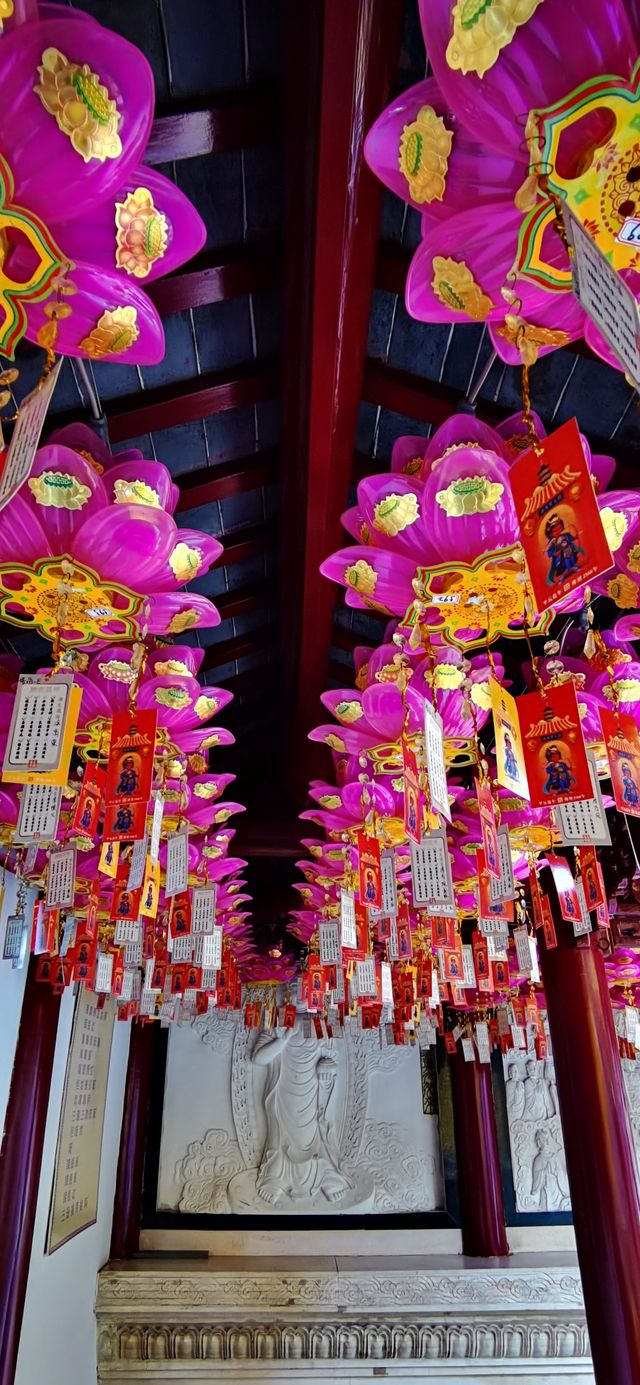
{"type": "Point", "coordinates": [538, 1103]}
{"type": "Point", "coordinates": [549, 1173]}
{"type": "Point", "coordinates": [300, 1156]}
{"type": "Point", "coordinates": [514, 1088]}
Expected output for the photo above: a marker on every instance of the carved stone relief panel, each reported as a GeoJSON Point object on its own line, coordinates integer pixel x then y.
{"type": "Point", "coordinates": [535, 1134]}
{"type": "Point", "coordinates": [280, 1122]}
{"type": "Point", "coordinates": [535, 1131]}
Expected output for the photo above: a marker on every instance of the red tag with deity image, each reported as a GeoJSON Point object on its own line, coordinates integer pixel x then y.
{"type": "Point", "coordinates": [592, 880]}
{"type": "Point", "coordinates": [560, 526]}
{"type": "Point", "coordinates": [369, 871]}
{"type": "Point", "coordinates": [622, 741]}
{"type": "Point", "coordinates": [489, 828]}
{"type": "Point", "coordinates": [554, 749]}
{"type": "Point", "coordinates": [548, 926]}
{"type": "Point", "coordinates": [412, 795]}
{"type": "Point", "coordinates": [87, 814]}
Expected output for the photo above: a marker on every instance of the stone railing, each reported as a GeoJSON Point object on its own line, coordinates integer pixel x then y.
{"type": "Point", "coordinates": [409, 1319]}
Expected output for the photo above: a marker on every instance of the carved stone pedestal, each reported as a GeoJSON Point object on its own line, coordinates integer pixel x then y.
{"type": "Point", "coordinates": [409, 1319]}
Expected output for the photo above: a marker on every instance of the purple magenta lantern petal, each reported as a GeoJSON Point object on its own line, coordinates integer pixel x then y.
{"type": "Point", "coordinates": [49, 173]}
{"type": "Point", "coordinates": [407, 530]}
{"type": "Point", "coordinates": [463, 430]}
{"type": "Point", "coordinates": [69, 491]}
{"type": "Point", "coordinates": [81, 438]}
{"type": "Point", "coordinates": [174, 612]}
{"type": "Point", "coordinates": [186, 655]}
{"type": "Point", "coordinates": [22, 534]}
{"type": "Point", "coordinates": [184, 230]}
{"type": "Point", "coordinates": [456, 534]}
{"type": "Point", "coordinates": [152, 474]}
{"type": "Point", "coordinates": [536, 67]}
{"type": "Point", "coordinates": [127, 542]}
{"type": "Point", "coordinates": [133, 335]}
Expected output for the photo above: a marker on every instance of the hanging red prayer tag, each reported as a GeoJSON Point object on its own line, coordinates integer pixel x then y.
{"type": "Point", "coordinates": [622, 741]}
{"type": "Point", "coordinates": [369, 871]}
{"type": "Point", "coordinates": [554, 749]}
{"type": "Point", "coordinates": [560, 526]}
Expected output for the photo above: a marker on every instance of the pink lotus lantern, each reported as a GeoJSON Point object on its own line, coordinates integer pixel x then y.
{"type": "Point", "coordinates": [88, 223]}
{"type": "Point", "coordinates": [453, 147]}
{"type": "Point", "coordinates": [71, 541]}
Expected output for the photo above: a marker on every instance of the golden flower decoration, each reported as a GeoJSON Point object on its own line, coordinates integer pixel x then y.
{"type": "Point", "coordinates": [423, 157]}
{"type": "Point", "coordinates": [361, 677]}
{"type": "Point", "coordinates": [364, 533]}
{"type": "Point", "coordinates": [135, 493]}
{"type": "Point", "coordinates": [183, 620]}
{"type": "Point", "coordinates": [455, 287]}
{"type": "Point", "coordinates": [222, 815]}
{"type": "Point", "coordinates": [197, 763]}
{"type": "Point", "coordinates": [113, 333]}
{"type": "Point", "coordinates": [623, 591]}
{"type": "Point", "coordinates": [413, 467]}
{"type": "Point", "coordinates": [205, 706]}
{"type": "Point", "coordinates": [516, 331]}
{"type": "Point", "coordinates": [171, 667]}
{"type": "Point", "coordinates": [117, 671]}
{"type": "Point", "coordinates": [362, 577]}
{"type": "Point", "coordinates": [59, 490]}
{"type": "Point", "coordinates": [209, 741]}
{"type": "Point", "coordinates": [334, 742]}
{"type": "Point", "coordinates": [6, 11]}
{"type": "Point", "coordinates": [633, 556]}
{"type": "Point", "coordinates": [331, 800]}
{"type": "Point", "coordinates": [172, 697]}
{"type": "Point", "coordinates": [141, 233]}
{"type": "Point", "coordinates": [395, 513]}
{"type": "Point", "coordinates": [470, 495]}
{"type": "Point", "coordinates": [348, 712]}
{"type": "Point", "coordinates": [482, 28]}
{"type": "Point", "coordinates": [627, 689]}
{"type": "Point", "coordinates": [397, 785]}
{"type": "Point", "coordinates": [185, 562]}
{"type": "Point", "coordinates": [481, 696]}
{"type": "Point", "coordinates": [206, 790]}
{"type": "Point", "coordinates": [448, 677]}
{"type": "Point", "coordinates": [81, 106]}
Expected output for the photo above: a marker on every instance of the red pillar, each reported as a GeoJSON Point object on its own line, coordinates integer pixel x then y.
{"type": "Point", "coordinates": [601, 1163]}
{"type": "Point", "coordinates": [125, 1232]}
{"type": "Point", "coordinates": [22, 1157]}
{"type": "Point", "coordinates": [479, 1177]}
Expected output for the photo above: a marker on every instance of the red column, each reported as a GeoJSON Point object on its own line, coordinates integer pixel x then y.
{"type": "Point", "coordinates": [479, 1177]}
{"type": "Point", "coordinates": [601, 1163]}
{"type": "Point", "coordinates": [125, 1233]}
{"type": "Point", "coordinates": [22, 1157]}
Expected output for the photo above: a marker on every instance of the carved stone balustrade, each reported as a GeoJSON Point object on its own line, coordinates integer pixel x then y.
{"type": "Point", "coordinates": [404, 1319]}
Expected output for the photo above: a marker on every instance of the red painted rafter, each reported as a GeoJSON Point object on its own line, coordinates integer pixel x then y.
{"type": "Point", "coordinates": [216, 275]}
{"type": "Point", "coordinates": [246, 543]}
{"type": "Point", "coordinates": [241, 120]}
{"type": "Point", "coordinates": [242, 603]}
{"type": "Point", "coordinates": [190, 400]}
{"type": "Point", "coordinates": [238, 647]}
{"type": "Point", "coordinates": [218, 482]}
{"type": "Point", "coordinates": [359, 46]}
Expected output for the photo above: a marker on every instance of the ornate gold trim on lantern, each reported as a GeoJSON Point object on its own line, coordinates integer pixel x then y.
{"type": "Point", "coordinates": [183, 620]}
{"type": "Point", "coordinates": [141, 233]}
{"type": "Point", "coordinates": [177, 698]}
{"type": "Point", "coordinates": [171, 667]}
{"type": "Point", "coordinates": [615, 525]}
{"type": "Point", "coordinates": [481, 29]}
{"type": "Point", "coordinates": [115, 331]}
{"type": "Point", "coordinates": [81, 106]}
{"type": "Point", "coordinates": [470, 495]}
{"type": "Point", "coordinates": [454, 285]}
{"type": "Point", "coordinates": [117, 671]}
{"type": "Point", "coordinates": [395, 513]}
{"type": "Point", "coordinates": [423, 156]}
{"type": "Point", "coordinates": [185, 562]}
{"type": "Point", "coordinates": [623, 591]}
{"type": "Point", "coordinates": [135, 493]}
{"type": "Point", "coordinates": [348, 712]}
{"type": "Point", "coordinates": [361, 577]}
{"type": "Point", "coordinates": [205, 706]}
{"type": "Point", "coordinates": [59, 490]}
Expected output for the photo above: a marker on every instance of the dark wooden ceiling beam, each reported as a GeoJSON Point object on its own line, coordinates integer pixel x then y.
{"type": "Point", "coordinates": [429, 402]}
{"type": "Point", "coordinates": [239, 647]}
{"type": "Point", "coordinates": [242, 603]}
{"type": "Point", "coordinates": [219, 482]}
{"type": "Point", "coordinates": [216, 275]}
{"type": "Point", "coordinates": [237, 120]}
{"type": "Point", "coordinates": [331, 235]}
{"type": "Point", "coordinates": [189, 400]}
{"type": "Point", "coordinates": [246, 543]}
